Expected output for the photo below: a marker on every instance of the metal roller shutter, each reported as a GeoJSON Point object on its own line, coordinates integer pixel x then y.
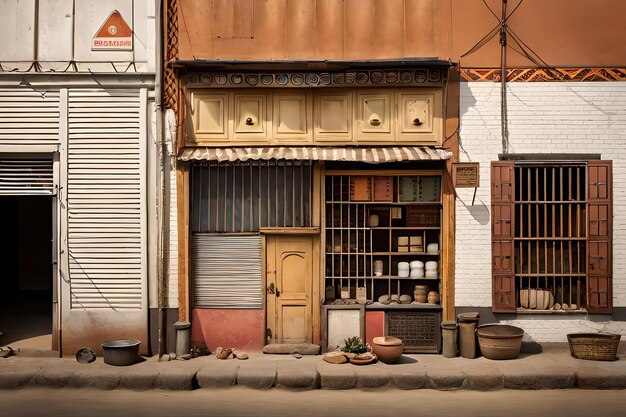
{"type": "Point", "coordinates": [29, 117]}
{"type": "Point", "coordinates": [226, 271]}
{"type": "Point", "coordinates": [26, 176]}
{"type": "Point", "coordinates": [106, 238]}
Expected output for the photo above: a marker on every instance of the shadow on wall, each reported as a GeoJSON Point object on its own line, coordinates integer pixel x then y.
{"type": "Point", "coordinates": [479, 211]}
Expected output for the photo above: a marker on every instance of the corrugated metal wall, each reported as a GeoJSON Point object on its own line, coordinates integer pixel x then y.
{"type": "Point", "coordinates": [226, 271]}
{"type": "Point", "coordinates": [105, 194]}
{"type": "Point", "coordinates": [29, 117]}
{"type": "Point", "coordinates": [26, 176]}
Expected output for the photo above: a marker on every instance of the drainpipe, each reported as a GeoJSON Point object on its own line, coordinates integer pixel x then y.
{"type": "Point", "coordinates": [163, 188]}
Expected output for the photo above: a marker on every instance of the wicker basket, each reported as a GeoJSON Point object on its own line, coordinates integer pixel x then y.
{"type": "Point", "coordinates": [594, 346]}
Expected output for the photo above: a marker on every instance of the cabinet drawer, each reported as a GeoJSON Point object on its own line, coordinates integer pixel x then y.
{"type": "Point", "coordinates": [416, 113]}
{"type": "Point", "coordinates": [374, 116]}
{"type": "Point", "coordinates": [250, 117]}
{"type": "Point", "coordinates": [292, 117]}
{"type": "Point", "coordinates": [333, 117]}
{"type": "Point", "coordinates": [209, 115]}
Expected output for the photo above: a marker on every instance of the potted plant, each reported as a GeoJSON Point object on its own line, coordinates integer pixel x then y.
{"type": "Point", "coordinates": [357, 351]}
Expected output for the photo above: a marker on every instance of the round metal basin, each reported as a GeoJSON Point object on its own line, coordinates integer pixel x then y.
{"type": "Point", "coordinates": [121, 352]}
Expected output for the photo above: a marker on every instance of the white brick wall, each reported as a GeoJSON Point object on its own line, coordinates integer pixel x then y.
{"type": "Point", "coordinates": [543, 117]}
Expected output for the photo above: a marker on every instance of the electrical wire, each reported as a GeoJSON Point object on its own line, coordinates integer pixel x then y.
{"type": "Point", "coordinates": [483, 41]}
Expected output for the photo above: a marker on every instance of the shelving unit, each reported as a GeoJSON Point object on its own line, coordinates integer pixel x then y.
{"type": "Point", "coordinates": [406, 206]}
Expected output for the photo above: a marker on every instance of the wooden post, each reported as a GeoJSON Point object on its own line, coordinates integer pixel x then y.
{"type": "Point", "coordinates": [451, 142]}
{"type": "Point", "coordinates": [182, 208]}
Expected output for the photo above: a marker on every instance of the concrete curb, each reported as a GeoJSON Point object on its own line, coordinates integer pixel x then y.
{"type": "Point", "coordinates": [263, 372]}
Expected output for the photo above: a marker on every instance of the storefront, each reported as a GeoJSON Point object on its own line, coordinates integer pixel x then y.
{"type": "Point", "coordinates": [311, 204]}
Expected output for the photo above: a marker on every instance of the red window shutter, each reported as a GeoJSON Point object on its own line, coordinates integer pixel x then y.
{"type": "Point", "coordinates": [600, 237]}
{"type": "Point", "coordinates": [503, 294]}
{"type": "Point", "coordinates": [502, 227]}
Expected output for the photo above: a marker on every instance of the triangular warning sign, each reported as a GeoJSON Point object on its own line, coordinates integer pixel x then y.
{"type": "Point", "coordinates": [113, 35]}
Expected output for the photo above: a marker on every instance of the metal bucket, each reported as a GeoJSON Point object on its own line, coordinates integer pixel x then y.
{"type": "Point", "coordinates": [121, 352]}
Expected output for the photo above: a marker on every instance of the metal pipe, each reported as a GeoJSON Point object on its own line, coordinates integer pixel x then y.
{"type": "Point", "coordinates": [503, 104]}
{"type": "Point", "coordinates": [163, 196]}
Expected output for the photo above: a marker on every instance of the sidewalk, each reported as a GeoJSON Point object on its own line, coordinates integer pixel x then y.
{"type": "Point", "coordinates": [554, 368]}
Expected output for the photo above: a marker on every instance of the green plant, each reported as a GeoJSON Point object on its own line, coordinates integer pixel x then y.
{"type": "Point", "coordinates": [354, 345]}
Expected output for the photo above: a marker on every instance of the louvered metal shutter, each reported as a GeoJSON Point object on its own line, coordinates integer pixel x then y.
{"type": "Point", "coordinates": [106, 216]}
{"type": "Point", "coordinates": [26, 176]}
{"type": "Point", "coordinates": [29, 117]}
{"type": "Point", "coordinates": [226, 271]}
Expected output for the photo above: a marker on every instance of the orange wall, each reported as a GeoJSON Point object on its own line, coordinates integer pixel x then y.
{"type": "Point", "coordinates": [311, 29]}
{"type": "Point", "coordinates": [567, 33]}
{"type": "Point", "coordinates": [561, 32]}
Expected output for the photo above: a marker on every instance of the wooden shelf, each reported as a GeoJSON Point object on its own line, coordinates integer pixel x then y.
{"type": "Point", "coordinates": [383, 253]}
{"type": "Point", "coordinates": [406, 228]}
{"type": "Point", "coordinates": [377, 243]}
{"type": "Point", "coordinates": [387, 277]}
{"type": "Point", "coordinates": [389, 203]}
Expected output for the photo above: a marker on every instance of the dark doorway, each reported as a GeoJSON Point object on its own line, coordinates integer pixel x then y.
{"type": "Point", "coordinates": [26, 272]}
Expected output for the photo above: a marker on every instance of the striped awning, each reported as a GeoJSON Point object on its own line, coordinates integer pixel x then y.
{"type": "Point", "coordinates": [350, 154]}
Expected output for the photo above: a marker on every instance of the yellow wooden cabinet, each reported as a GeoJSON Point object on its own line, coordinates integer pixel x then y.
{"type": "Point", "coordinates": [315, 116]}
{"type": "Point", "coordinates": [333, 116]}
{"type": "Point", "coordinates": [292, 119]}
{"type": "Point", "coordinates": [374, 116]}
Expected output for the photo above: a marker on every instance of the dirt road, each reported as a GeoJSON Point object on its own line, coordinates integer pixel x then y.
{"type": "Point", "coordinates": [245, 402]}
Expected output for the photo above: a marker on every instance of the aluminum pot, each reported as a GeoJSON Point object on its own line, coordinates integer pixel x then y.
{"type": "Point", "coordinates": [122, 352]}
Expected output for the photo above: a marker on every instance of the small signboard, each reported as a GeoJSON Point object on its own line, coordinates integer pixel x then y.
{"type": "Point", "coordinates": [466, 174]}
{"type": "Point", "coordinates": [113, 35]}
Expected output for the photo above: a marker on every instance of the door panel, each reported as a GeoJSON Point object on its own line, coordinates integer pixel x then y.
{"type": "Point", "coordinates": [290, 270]}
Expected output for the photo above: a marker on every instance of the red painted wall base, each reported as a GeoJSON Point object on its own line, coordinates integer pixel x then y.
{"type": "Point", "coordinates": [241, 329]}
{"type": "Point", "coordinates": [374, 325]}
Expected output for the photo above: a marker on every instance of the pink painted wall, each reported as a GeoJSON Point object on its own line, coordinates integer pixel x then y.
{"type": "Point", "coordinates": [241, 329]}
{"type": "Point", "coordinates": [374, 325]}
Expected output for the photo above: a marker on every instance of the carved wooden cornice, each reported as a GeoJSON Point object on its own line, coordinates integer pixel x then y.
{"type": "Point", "coordinates": [546, 74]}
{"type": "Point", "coordinates": [428, 77]}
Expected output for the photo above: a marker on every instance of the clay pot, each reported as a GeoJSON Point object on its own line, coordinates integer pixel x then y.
{"type": "Point", "coordinates": [499, 341]}
{"type": "Point", "coordinates": [433, 297]}
{"type": "Point", "coordinates": [420, 294]}
{"type": "Point", "coordinates": [388, 349]}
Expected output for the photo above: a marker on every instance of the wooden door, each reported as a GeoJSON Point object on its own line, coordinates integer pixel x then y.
{"type": "Point", "coordinates": [289, 286]}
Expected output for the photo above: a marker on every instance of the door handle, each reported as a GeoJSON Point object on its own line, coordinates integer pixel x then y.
{"type": "Point", "coordinates": [277, 292]}
{"type": "Point", "coordinates": [270, 289]}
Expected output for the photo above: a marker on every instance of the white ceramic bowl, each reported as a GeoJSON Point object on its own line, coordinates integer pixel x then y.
{"type": "Point", "coordinates": [431, 274]}
{"type": "Point", "coordinates": [403, 273]}
{"type": "Point", "coordinates": [432, 248]}
{"type": "Point", "coordinates": [431, 265]}
{"type": "Point", "coordinates": [403, 265]}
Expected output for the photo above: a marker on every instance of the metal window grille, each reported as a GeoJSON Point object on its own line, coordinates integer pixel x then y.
{"type": "Point", "coordinates": [246, 196]}
{"type": "Point", "coordinates": [550, 236]}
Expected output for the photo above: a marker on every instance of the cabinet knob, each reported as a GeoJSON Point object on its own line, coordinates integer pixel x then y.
{"type": "Point", "coordinates": [416, 122]}
{"type": "Point", "coordinates": [249, 121]}
{"type": "Point", "coordinates": [375, 122]}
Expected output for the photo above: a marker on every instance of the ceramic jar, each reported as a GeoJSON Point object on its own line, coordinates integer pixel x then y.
{"type": "Point", "coordinates": [433, 297]}
{"type": "Point", "coordinates": [378, 268]}
{"type": "Point", "coordinates": [374, 220]}
{"type": "Point", "coordinates": [420, 293]}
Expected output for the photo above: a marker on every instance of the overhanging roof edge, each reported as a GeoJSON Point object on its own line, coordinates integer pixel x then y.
{"type": "Point", "coordinates": [311, 65]}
